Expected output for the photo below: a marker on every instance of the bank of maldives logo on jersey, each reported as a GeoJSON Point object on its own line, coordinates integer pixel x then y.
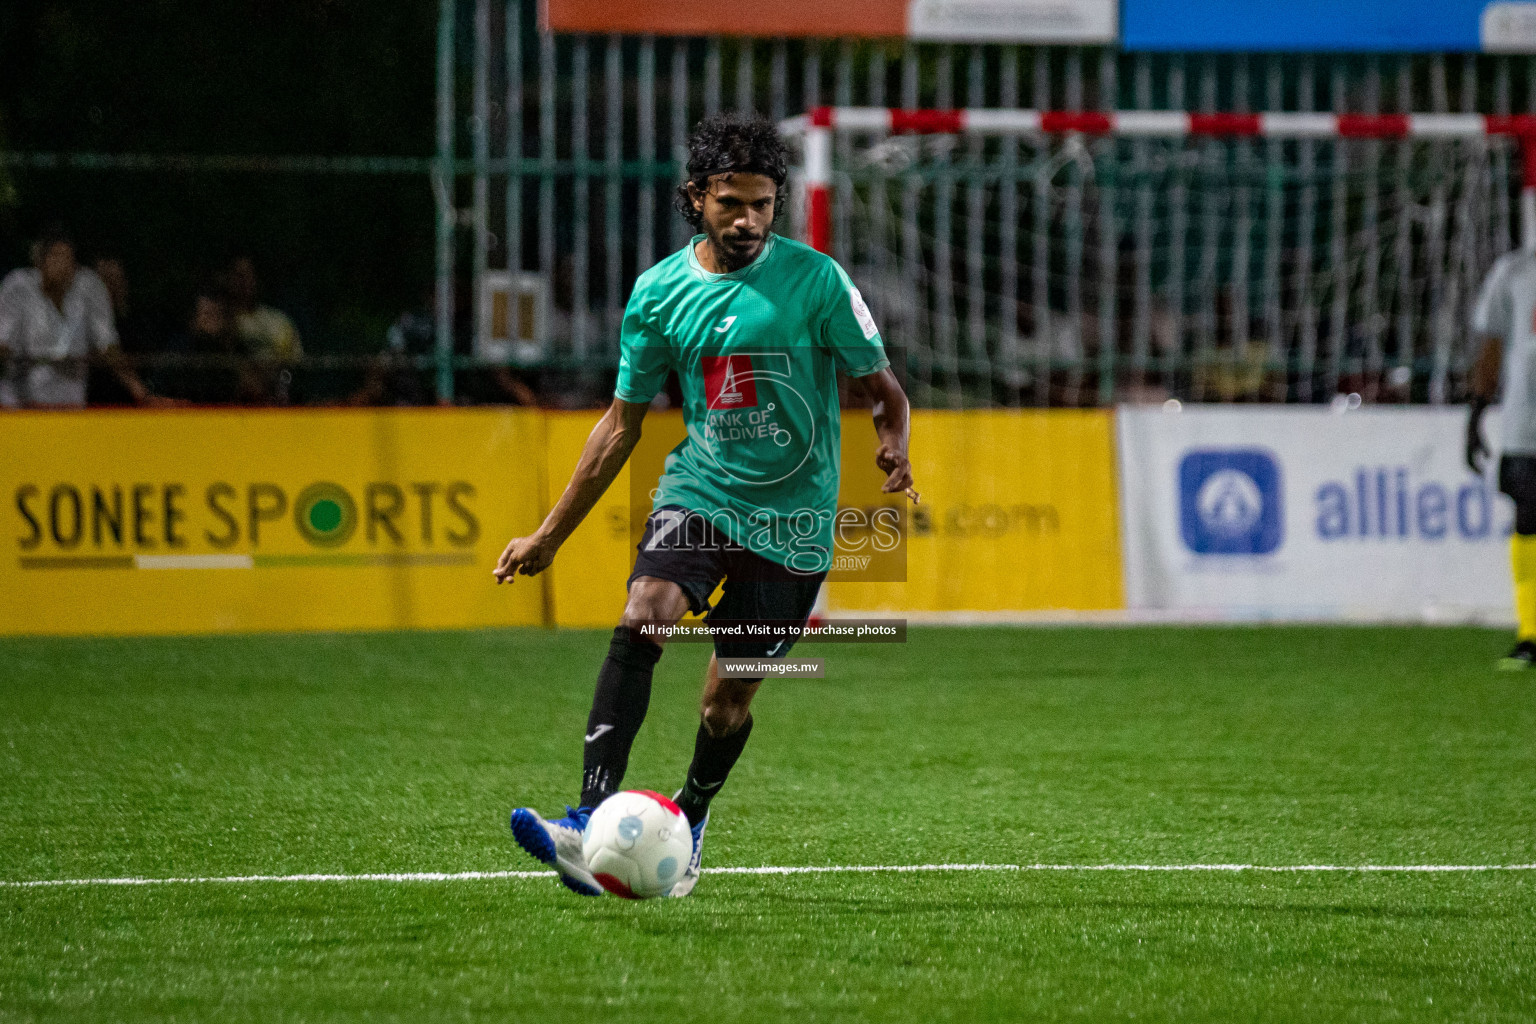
{"type": "Point", "coordinates": [1230, 501]}
{"type": "Point", "coordinates": [728, 382]}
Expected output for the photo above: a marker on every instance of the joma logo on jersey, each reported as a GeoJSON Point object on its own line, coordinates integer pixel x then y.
{"type": "Point", "coordinates": [728, 382]}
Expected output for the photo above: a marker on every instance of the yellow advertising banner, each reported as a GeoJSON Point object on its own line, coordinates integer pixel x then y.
{"type": "Point", "coordinates": [1018, 513]}
{"type": "Point", "coordinates": [230, 521]}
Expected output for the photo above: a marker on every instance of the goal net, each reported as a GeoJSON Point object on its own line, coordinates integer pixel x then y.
{"type": "Point", "coordinates": [1019, 258]}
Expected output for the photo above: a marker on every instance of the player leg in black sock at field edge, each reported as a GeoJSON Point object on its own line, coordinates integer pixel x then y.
{"type": "Point", "coordinates": [726, 723]}
{"type": "Point", "coordinates": [713, 759]}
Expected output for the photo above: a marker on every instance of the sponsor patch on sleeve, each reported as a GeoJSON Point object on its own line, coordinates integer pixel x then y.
{"type": "Point", "coordinates": [861, 313]}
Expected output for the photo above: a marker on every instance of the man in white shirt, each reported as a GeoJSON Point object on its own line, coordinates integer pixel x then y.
{"type": "Point", "coordinates": [54, 316]}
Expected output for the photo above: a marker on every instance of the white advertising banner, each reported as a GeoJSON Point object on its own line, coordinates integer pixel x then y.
{"type": "Point", "coordinates": [1308, 514]}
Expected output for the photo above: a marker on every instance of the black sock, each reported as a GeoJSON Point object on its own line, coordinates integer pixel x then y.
{"type": "Point", "coordinates": [713, 759]}
{"type": "Point", "coordinates": [618, 707]}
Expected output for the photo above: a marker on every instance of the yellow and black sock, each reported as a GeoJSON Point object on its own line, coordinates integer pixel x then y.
{"type": "Point", "coordinates": [1522, 558]}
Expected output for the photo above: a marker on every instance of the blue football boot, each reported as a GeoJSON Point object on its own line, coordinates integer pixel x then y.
{"type": "Point", "coordinates": [690, 877]}
{"type": "Point", "coordinates": [558, 844]}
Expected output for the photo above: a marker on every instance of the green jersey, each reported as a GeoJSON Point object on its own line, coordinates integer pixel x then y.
{"type": "Point", "coordinates": [757, 352]}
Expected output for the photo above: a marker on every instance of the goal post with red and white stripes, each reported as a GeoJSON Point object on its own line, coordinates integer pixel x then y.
{"type": "Point", "coordinates": [1075, 257]}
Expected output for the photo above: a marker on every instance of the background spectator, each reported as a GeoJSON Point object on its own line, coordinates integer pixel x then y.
{"type": "Point", "coordinates": [395, 378]}
{"type": "Point", "coordinates": [102, 386]}
{"type": "Point", "coordinates": [217, 371]}
{"type": "Point", "coordinates": [114, 276]}
{"type": "Point", "coordinates": [54, 316]}
{"type": "Point", "coordinates": [392, 378]}
{"type": "Point", "coordinates": [267, 335]}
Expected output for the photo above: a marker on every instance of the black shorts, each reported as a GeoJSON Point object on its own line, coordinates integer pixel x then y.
{"type": "Point", "coordinates": [1517, 478]}
{"type": "Point", "coordinates": [685, 548]}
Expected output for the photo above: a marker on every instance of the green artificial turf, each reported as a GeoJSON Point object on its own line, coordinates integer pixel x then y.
{"type": "Point", "coordinates": [403, 753]}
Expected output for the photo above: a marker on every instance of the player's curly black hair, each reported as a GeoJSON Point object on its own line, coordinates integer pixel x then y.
{"type": "Point", "coordinates": [743, 144]}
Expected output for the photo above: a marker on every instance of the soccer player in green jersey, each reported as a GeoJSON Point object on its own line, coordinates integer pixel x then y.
{"type": "Point", "coordinates": [756, 327]}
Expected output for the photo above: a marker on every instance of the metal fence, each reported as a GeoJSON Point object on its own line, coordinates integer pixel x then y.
{"type": "Point", "coordinates": [558, 157]}
{"type": "Point", "coordinates": [576, 145]}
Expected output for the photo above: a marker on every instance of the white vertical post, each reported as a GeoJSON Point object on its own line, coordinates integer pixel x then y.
{"type": "Point", "coordinates": [481, 139]}
{"type": "Point", "coordinates": [547, 158]}
{"type": "Point", "coordinates": [680, 228]}
{"type": "Point", "coordinates": [447, 205]}
{"type": "Point", "coordinates": [512, 245]}
{"type": "Point", "coordinates": [1141, 156]}
{"type": "Point", "coordinates": [942, 325]}
{"type": "Point", "coordinates": [647, 151]}
{"type": "Point", "coordinates": [977, 357]}
{"type": "Point", "coordinates": [1040, 265]}
{"type": "Point", "coordinates": [581, 197]}
{"type": "Point", "coordinates": [1307, 236]}
{"type": "Point", "coordinates": [1109, 252]}
{"type": "Point", "coordinates": [818, 180]}
{"type": "Point", "coordinates": [613, 154]}
{"type": "Point", "coordinates": [1008, 232]}
{"type": "Point", "coordinates": [842, 156]}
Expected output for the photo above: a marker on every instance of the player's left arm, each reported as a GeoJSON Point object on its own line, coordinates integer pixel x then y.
{"type": "Point", "coordinates": [849, 331]}
{"type": "Point", "coordinates": [893, 418]}
{"type": "Point", "coordinates": [1485, 390]}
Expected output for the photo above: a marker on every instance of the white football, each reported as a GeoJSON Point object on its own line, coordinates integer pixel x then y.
{"type": "Point", "coordinates": [637, 844]}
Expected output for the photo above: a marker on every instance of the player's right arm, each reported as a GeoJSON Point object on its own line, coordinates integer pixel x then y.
{"type": "Point", "coordinates": [645, 359]}
{"type": "Point", "coordinates": [608, 447]}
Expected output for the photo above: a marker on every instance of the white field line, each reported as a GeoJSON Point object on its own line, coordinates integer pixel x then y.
{"type": "Point", "coordinates": [410, 876]}
{"type": "Point", "coordinates": [836, 869]}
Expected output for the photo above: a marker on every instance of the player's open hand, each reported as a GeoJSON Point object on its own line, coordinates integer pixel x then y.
{"type": "Point", "coordinates": [1477, 451]}
{"type": "Point", "coordinates": [529, 556]}
{"type": "Point", "coordinates": [897, 469]}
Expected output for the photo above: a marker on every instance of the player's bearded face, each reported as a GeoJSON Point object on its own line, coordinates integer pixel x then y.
{"type": "Point", "coordinates": [738, 214]}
